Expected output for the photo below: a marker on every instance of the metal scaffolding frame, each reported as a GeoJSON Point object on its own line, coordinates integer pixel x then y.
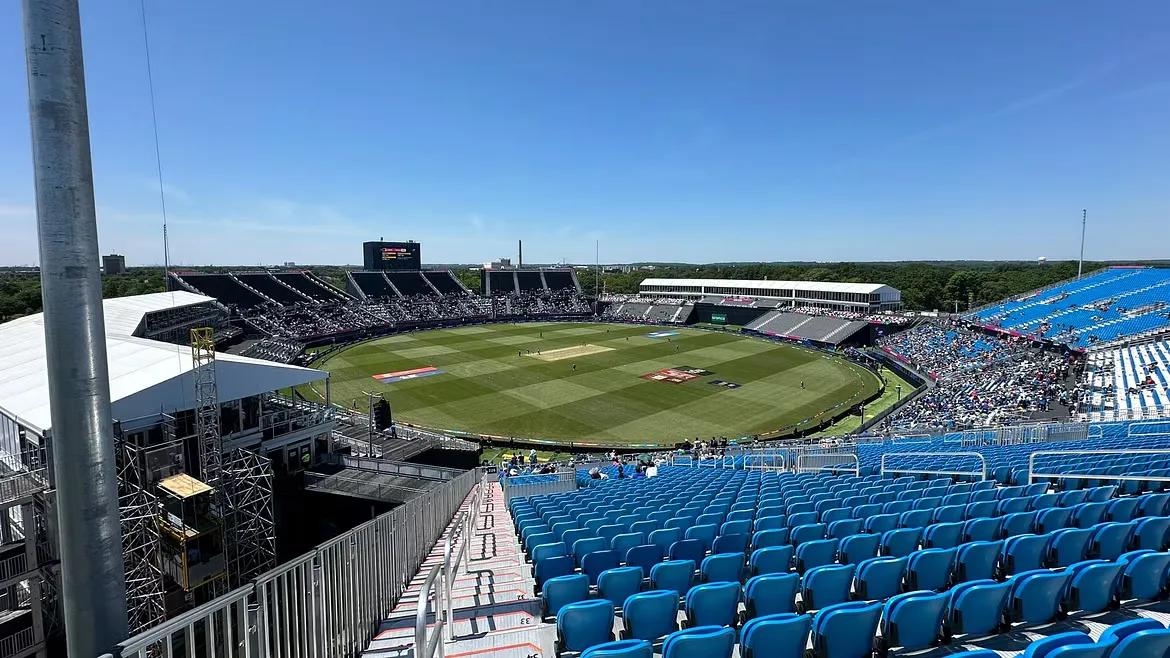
{"type": "Point", "coordinates": [250, 525]}
{"type": "Point", "coordinates": [138, 507]}
{"type": "Point", "coordinates": [207, 408]}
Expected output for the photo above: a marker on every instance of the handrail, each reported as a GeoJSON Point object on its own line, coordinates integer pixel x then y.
{"type": "Point", "coordinates": [802, 467]}
{"type": "Point", "coordinates": [1032, 474]}
{"type": "Point", "coordinates": [425, 648]}
{"type": "Point", "coordinates": [982, 472]}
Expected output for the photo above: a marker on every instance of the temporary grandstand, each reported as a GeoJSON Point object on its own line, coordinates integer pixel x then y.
{"type": "Point", "coordinates": [859, 297]}
{"type": "Point", "coordinates": [1106, 307]}
{"type": "Point", "coordinates": [797, 326]}
{"type": "Point", "coordinates": [496, 282]}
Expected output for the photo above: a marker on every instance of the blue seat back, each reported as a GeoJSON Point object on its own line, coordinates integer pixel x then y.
{"type": "Point", "coordinates": [561, 591]}
{"type": "Point", "coordinates": [846, 629]}
{"type": "Point", "coordinates": [782, 634]}
{"type": "Point", "coordinates": [675, 575]}
{"type": "Point", "coordinates": [619, 583]}
{"type": "Point", "coordinates": [705, 641]}
{"type": "Point", "coordinates": [712, 604]}
{"type": "Point", "coordinates": [914, 620]}
{"type": "Point", "coordinates": [770, 594]}
{"type": "Point", "coordinates": [650, 615]}
{"type": "Point", "coordinates": [584, 624]}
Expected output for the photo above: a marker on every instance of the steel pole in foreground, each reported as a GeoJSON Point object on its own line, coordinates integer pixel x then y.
{"type": "Point", "coordinates": [92, 573]}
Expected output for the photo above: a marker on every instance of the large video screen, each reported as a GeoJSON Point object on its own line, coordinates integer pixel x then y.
{"type": "Point", "coordinates": [392, 256]}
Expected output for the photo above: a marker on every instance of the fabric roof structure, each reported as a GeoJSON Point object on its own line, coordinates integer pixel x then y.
{"type": "Point", "coordinates": [147, 377]}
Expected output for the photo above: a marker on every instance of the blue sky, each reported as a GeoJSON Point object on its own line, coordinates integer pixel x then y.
{"type": "Point", "coordinates": [695, 131]}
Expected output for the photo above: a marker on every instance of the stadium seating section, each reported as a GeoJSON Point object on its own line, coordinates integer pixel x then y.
{"type": "Point", "coordinates": [712, 558]}
{"type": "Point", "coordinates": [806, 327]}
{"type": "Point", "coordinates": [1127, 382]}
{"type": "Point", "coordinates": [1104, 306]}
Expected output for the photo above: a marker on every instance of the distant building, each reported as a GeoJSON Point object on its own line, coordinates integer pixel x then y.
{"type": "Point", "coordinates": [501, 264]}
{"type": "Point", "coordinates": [114, 264]}
{"type": "Point", "coordinates": [859, 297]}
{"type": "Point", "coordinates": [289, 263]}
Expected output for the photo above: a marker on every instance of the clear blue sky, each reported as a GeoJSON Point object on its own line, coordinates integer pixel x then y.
{"type": "Point", "coordinates": [696, 131]}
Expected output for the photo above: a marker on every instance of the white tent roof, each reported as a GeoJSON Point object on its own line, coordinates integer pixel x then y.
{"type": "Point", "coordinates": [146, 376]}
{"type": "Point", "coordinates": [822, 286]}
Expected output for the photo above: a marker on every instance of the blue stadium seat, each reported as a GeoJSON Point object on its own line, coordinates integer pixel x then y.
{"type": "Point", "coordinates": [880, 577]}
{"type": "Point", "coordinates": [978, 608]}
{"type": "Point", "coordinates": [777, 522]}
{"type": "Point", "coordinates": [687, 549]}
{"type": "Point", "coordinates": [1122, 510]}
{"type": "Point", "coordinates": [584, 624]}
{"type": "Point", "coordinates": [582, 547]}
{"type": "Point", "coordinates": [735, 543]}
{"type": "Point", "coordinates": [942, 535]}
{"type": "Point", "coordinates": [913, 620]}
{"type": "Point", "coordinates": [775, 635]}
{"type": "Point", "coordinates": [622, 543]}
{"type": "Point", "coordinates": [645, 556]}
{"type": "Point", "coordinates": [676, 575]}
{"type": "Point", "coordinates": [846, 630]}
{"type": "Point", "coordinates": [712, 604]}
{"type": "Point", "coordinates": [619, 584]}
{"type": "Point", "coordinates": [621, 649]}
{"type": "Point", "coordinates": [1110, 540]}
{"type": "Point", "coordinates": [775, 559]}
{"type": "Point", "coordinates": [1037, 596]}
{"type": "Point", "coordinates": [664, 538]}
{"type": "Point", "coordinates": [881, 523]}
{"type": "Point", "coordinates": [703, 533]}
{"type": "Point", "coordinates": [650, 615]}
{"type": "Point", "coordinates": [1068, 546]}
{"type": "Point", "coordinates": [930, 569]}
{"type": "Point", "coordinates": [1144, 575]}
{"type": "Point", "coordinates": [1045, 647]}
{"type": "Point", "coordinates": [1024, 553]}
{"type": "Point", "coordinates": [766, 538]}
{"type": "Point", "coordinates": [598, 561]}
{"type": "Point", "coordinates": [552, 567]}
{"type": "Point", "coordinates": [722, 567]}
{"type": "Point", "coordinates": [816, 553]}
{"type": "Point", "coordinates": [1094, 586]}
{"type": "Point", "coordinates": [705, 641]}
{"type": "Point", "coordinates": [826, 585]}
{"type": "Point", "coordinates": [1018, 523]}
{"type": "Point", "coordinates": [806, 533]}
{"type": "Point", "coordinates": [1087, 515]}
{"type": "Point", "coordinates": [900, 543]}
{"type": "Point", "coordinates": [554, 549]}
{"type": "Point", "coordinates": [855, 548]}
{"type": "Point", "coordinates": [981, 529]}
{"type": "Point", "coordinates": [1144, 644]}
{"type": "Point", "coordinates": [770, 594]}
{"type": "Point", "coordinates": [1152, 533]}
{"type": "Point", "coordinates": [561, 591]}
{"type": "Point", "coordinates": [844, 528]}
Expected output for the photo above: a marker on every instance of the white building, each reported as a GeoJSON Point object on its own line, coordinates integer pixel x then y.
{"type": "Point", "coordinates": [861, 297]}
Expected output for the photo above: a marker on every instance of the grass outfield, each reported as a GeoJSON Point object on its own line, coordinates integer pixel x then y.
{"type": "Point", "coordinates": [486, 387]}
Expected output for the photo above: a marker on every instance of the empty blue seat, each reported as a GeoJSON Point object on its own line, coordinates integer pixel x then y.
{"type": "Point", "coordinates": [723, 567]}
{"type": "Point", "coordinates": [665, 538]}
{"type": "Point", "coordinates": [712, 604]}
{"type": "Point", "coordinates": [598, 561]}
{"type": "Point", "coordinates": [703, 533]}
{"type": "Point", "coordinates": [561, 591]}
{"type": "Point", "coordinates": [806, 533]}
{"type": "Point", "coordinates": [571, 537]}
{"type": "Point", "coordinates": [942, 535]}
{"type": "Point", "coordinates": [1068, 546]}
{"type": "Point", "coordinates": [770, 594]}
{"type": "Point", "coordinates": [1154, 504]}
{"type": "Point", "coordinates": [705, 641]}
{"type": "Point", "coordinates": [977, 560]}
{"type": "Point", "coordinates": [1110, 540]}
{"type": "Point", "coordinates": [619, 584]}
{"type": "Point", "coordinates": [1144, 644]}
{"type": "Point", "coordinates": [930, 569]}
{"type": "Point", "coordinates": [1094, 585]}
{"type": "Point", "coordinates": [621, 649]}
{"type": "Point", "coordinates": [846, 630]}
{"type": "Point", "coordinates": [552, 567]}
{"type": "Point", "coordinates": [1024, 553]}
{"type": "Point", "coordinates": [844, 528]}
{"type": "Point", "coordinates": [1037, 596]}
{"type": "Point", "coordinates": [1018, 523]}
{"type": "Point", "coordinates": [1087, 515]}
{"type": "Point", "coordinates": [736, 527]}
{"type": "Point", "coordinates": [650, 615]}
{"type": "Point", "coordinates": [673, 574]}
{"type": "Point", "coordinates": [645, 527]}
{"type": "Point", "coordinates": [1122, 510]}
{"type": "Point", "coordinates": [774, 559]}
{"type": "Point", "coordinates": [881, 523]}
{"type": "Point", "coordinates": [580, 548]}
{"type": "Point", "coordinates": [775, 635]}
{"type": "Point", "coordinates": [584, 624]}
{"type": "Point", "coordinates": [737, 543]}
{"type": "Point", "coordinates": [1144, 575]}
{"type": "Point", "coordinates": [1117, 633]}
{"type": "Point", "coordinates": [625, 541]}
{"type": "Point", "coordinates": [766, 538]}
{"type": "Point", "coordinates": [913, 620]}
{"type": "Point", "coordinates": [554, 549]}
{"type": "Point", "coordinates": [915, 518]}
{"type": "Point", "coordinates": [899, 543]}
{"type": "Point", "coordinates": [796, 519]}
{"type": "Point", "coordinates": [816, 553]}
{"type": "Point", "coordinates": [1151, 533]}
{"type": "Point", "coordinates": [978, 607]}
{"type": "Point", "coordinates": [855, 548]}
{"type": "Point", "coordinates": [1047, 646]}
{"type": "Point", "coordinates": [536, 539]}
{"type": "Point", "coordinates": [825, 586]}
{"type": "Point", "coordinates": [687, 549]}
{"type": "Point", "coordinates": [1053, 518]}
{"type": "Point", "coordinates": [880, 577]}
{"type": "Point", "coordinates": [1012, 506]}
{"type": "Point", "coordinates": [645, 556]}
{"type": "Point", "coordinates": [981, 529]}
{"type": "Point", "coordinates": [770, 523]}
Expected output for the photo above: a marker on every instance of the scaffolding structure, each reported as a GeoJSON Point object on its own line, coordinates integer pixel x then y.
{"type": "Point", "coordinates": [138, 509]}
{"type": "Point", "coordinates": [210, 443]}
{"type": "Point", "coordinates": [250, 525]}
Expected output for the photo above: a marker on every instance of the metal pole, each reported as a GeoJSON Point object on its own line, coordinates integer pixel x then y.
{"type": "Point", "coordinates": [370, 422]}
{"type": "Point", "coordinates": [92, 573]}
{"type": "Point", "coordinates": [1081, 262]}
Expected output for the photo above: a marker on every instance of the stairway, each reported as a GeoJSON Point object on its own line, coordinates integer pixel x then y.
{"type": "Point", "coordinates": [496, 614]}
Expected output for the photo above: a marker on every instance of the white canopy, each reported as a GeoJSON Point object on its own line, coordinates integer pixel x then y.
{"type": "Point", "coordinates": [146, 376]}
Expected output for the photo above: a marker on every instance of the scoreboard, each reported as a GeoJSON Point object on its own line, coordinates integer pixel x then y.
{"type": "Point", "coordinates": [392, 256]}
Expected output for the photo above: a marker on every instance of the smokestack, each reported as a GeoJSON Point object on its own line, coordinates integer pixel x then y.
{"type": "Point", "coordinates": [520, 243]}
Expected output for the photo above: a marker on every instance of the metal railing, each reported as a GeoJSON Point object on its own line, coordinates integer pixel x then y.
{"type": "Point", "coordinates": [394, 467]}
{"type": "Point", "coordinates": [1033, 474]}
{"type": "Point", "coordinates": [21, 640]}
{"type": "Point", "coordinates": [523, 486]}
{"type": "Point", "coordinates": [324, 604]}
{"type": "Point", "coordinates": [981, 473]}
{"type": "Point", "coordinates": [828, 461]}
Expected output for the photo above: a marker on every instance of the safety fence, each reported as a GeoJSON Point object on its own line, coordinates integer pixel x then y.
{"type": "Point", "coordinates": [836, 462]}
{"type": "Point", "coordinates": [326, 603]}
{"type": "Point", "coordinates": [523, 486]}
{"type": "Point", "coordinates": [948, 466]}
{"type": "Point", "coordinates": [1053, 470]}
